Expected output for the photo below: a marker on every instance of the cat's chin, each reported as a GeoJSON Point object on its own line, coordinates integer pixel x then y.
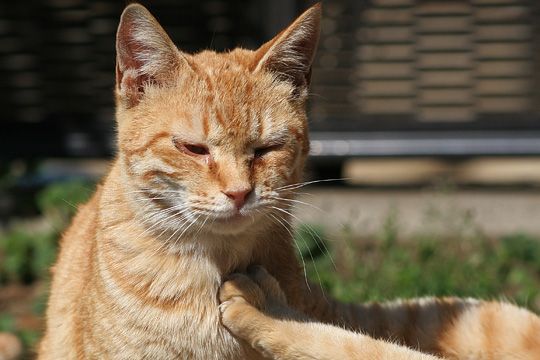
{"type": "Point", "coordinates": [231, 225]}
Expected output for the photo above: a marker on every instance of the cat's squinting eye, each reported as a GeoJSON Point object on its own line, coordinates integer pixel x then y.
{"type": "Point", "coordinates": [197, 149]}
{"type": "Point", "coordinates": [263, 150]}
{"type": "Point", "coordinates": [192, 149]}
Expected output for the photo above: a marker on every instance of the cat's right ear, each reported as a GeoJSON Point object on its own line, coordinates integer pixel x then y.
{"type": "Point", "coordinates": [144, 54]}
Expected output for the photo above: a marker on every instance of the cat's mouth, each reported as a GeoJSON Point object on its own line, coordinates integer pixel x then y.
{"type": "Point", "coordinates": [235, 217]}
{"type": "Point", "coordinates": [231, 222]}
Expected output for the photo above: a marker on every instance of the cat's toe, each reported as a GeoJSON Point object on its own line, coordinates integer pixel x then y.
{"type": "Point", "coordinates": [239, 285]}
{"type": "Point", "coordinates": [229, 311]}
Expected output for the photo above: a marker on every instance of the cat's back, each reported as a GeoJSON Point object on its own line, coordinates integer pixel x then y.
{"type": "Point", "coordinates": [71, 272]}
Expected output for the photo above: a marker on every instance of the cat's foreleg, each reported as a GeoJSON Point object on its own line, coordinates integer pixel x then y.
{"type": "Point", "coordinates": [450, 327]}
{"type": "Point", "coordinates": [254, 309]}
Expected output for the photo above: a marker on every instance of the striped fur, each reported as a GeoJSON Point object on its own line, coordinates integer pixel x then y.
{"type": "Point", "coordinates": [255, 309]}
{"type": "Point", "coordinates": [139, 269]}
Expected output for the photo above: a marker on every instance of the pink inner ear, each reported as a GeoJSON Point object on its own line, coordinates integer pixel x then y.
{"type": "Point", "coordinates": [139, 34]}
{"type": "Point", "coordinates": [145, 54]}
{"type": "Point", "coordinates": [290, 54]}
{"type": "Point", "coordinates": [292, 61]}
{"type": "Point", "coordinates": [128, 76]}
{"type": "Point", "coordinates": [132, 81]}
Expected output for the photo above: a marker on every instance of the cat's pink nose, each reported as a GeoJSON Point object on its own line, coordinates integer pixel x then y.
{"type": "Point", "coordinates": [238, 196]}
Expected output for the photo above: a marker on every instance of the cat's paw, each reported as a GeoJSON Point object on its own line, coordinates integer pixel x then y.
{"type": "Point", "coordinates": [232, 312]}
{"type": "Point", "coordinates": [240, 288]}
{"type": "Point", "coordinates": [251, 302]}
{"type": "Point", "coordinates": [257, 287]}
{"type": "Point", "coordinates": [240, 300]}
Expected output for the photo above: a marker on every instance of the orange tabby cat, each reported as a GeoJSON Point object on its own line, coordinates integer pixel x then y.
{"type": "Point", "coordinates": [208, 147]}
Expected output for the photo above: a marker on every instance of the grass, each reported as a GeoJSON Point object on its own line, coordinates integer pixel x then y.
{"type": "Point", "coordinates": [385, 268]}
{"type": "Point", "coordinates": [351, 268]}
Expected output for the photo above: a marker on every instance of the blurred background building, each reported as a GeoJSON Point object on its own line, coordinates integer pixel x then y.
{"type": "Point", "coordinates": [392, 77]}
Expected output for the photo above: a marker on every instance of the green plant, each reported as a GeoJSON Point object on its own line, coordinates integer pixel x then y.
{"type": "Point", "coordinates": [7, 322]}
{"type": "Point", "coordinates": [26, 256]}
{"type": "Point", "coordinates": [27, 251]}
{"type": "Point", "coordinates": [433, 265]}
{"type": "Point", "coordinates": [58, 202]}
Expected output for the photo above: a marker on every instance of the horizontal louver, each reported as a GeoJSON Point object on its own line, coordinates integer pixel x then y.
{"type": "Point", "coordinates": [381, 65]}
{"type": "Point", "coordinates": [405, 64]}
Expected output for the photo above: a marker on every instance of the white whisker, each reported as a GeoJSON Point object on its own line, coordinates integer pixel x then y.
{"type": "Point", "coordinates": [190, 224]}
{"type": "Point", "coordinates": [297, 248]}
{"type": "Point", "coordinates": [201, 226]}
{"type": "Point", "coordinates": [305, 183]}
{"type": "Point", "coordinates": [305, 244]}
{"type": "Point", "coordinates": [176, 210]}
{"type": "Point", "coordinates": [299, 202]}
{"type": "Point", "coordinates": [313, 233]}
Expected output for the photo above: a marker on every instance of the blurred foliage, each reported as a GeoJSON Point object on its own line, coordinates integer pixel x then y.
{"type": "Point", "coordinates": [387, 268]}
{"type": "Point", "coordinates": [28, 249]}
{"type": "Point", "coordinates": [25, 256]}
{"type": "Point", "coordinates": [58, 202]}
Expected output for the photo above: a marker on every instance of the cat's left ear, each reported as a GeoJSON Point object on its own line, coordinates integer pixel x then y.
{"type": "Point", "coordinates": [290, 54]}
{"type": "Point", "coordinates": [144, 54]}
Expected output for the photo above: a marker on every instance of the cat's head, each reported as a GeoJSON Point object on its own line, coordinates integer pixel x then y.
{"type": "Point", "coordinates": [208, 141]}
